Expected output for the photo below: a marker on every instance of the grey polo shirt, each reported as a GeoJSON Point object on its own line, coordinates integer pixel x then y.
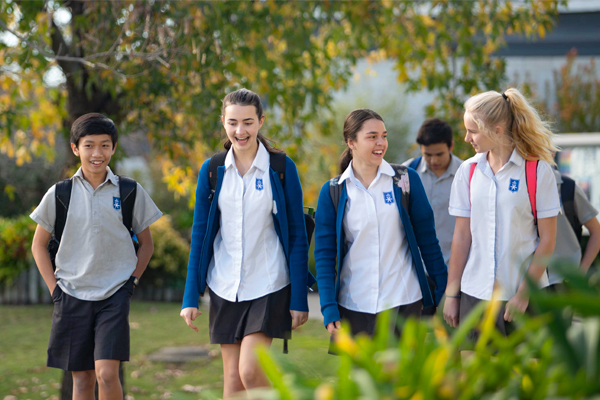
{"type": "Point", "coordinates": [96, 256]}
{"type": "Point", "coordinates": [438, 194]}
{"type": "Point", "coordinates": [567, 246]}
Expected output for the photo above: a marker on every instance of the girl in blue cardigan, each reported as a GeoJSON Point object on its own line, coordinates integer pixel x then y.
{"type": "Point", "coordinates": [379, 243]}
{"type": "Point", "coordinates": [249, 246]}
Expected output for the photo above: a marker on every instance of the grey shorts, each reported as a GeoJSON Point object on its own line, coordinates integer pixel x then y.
{"type": "Point", "coordinates": [85, 331]}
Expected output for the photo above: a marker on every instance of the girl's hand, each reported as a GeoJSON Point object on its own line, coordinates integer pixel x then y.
{"type": "Point", "coordinates": [334, 326]}
{"type": "Point", "coordinates": [451, 311]}
{"type": "Point", "coordinates": [189, 314]}
{"type": "Point", "coordinates": [298, 318]}
{"type": "Point", "coordinates": [516, 305]}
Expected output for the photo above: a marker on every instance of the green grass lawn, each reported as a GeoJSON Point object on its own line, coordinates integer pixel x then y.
{"type": "Point", "coordinates": [24, 332]}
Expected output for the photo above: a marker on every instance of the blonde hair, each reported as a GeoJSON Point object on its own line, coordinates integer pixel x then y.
{"type": "Point", "coordinates": [523, 126]}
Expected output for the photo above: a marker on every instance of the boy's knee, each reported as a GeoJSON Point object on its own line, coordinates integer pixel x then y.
{"type": "Point", "coordinates": [107, 375]}
{"type": "Point", "coordinates": [84, 381]}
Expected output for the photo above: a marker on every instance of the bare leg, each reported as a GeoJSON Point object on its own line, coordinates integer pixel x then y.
{"type": "Point", "coordinates": [109, 385]}
{"type": "Point", "coordinates": [84, 383]}
{"type": "Point", "coordinates": [251, 373]}
{"type": "Point", "coordinates": [232, 384]}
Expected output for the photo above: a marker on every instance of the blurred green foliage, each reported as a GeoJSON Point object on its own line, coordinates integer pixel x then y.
{"type": "Point", "coordinates": [546, 357]}
{"type": "Point", "coordinates": [16, 235]}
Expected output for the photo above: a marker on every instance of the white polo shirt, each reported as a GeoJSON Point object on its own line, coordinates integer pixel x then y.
{"type": "Point", "coordinates": [249, 261]}
{"type": "Point", "coordinates": [504, 236]}
{"type": "Point", "coordinates": [377, 273]}
{"type": "Point", "coordinates": [96, 256]}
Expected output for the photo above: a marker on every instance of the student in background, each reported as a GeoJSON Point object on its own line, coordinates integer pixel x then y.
{"type": "Point", "coordinates": [576, 211]}
{"type": "Point", "coordinates": [502, 231]}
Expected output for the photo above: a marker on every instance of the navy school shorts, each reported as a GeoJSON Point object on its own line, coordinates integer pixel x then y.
{"type": "Point", "coordinates": [85, 331]}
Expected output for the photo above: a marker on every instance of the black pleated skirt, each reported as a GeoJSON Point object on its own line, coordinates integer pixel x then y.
{"type": "Point", "coordinates": [230, 322]}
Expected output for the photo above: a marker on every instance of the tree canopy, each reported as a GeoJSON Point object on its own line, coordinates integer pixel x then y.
{"type": "Point", "coordinates": [162, 67]}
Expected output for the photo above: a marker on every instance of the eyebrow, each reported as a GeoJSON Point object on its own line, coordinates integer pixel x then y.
{"type": "Point", "coordinates": [245, 119]}
{"type": "Point", "coordinates": [91, 141]}
{"type": "Point", "coordinates": [373, 132]}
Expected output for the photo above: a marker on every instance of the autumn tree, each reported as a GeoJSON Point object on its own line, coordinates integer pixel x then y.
{"type": "Point", "coordinates": [161, 67]}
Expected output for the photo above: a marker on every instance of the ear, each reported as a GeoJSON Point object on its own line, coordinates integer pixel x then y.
{"type": "Point", "coordinates": [114, 148]}
{"type": "Point", "coordinates": [75, 149]}
{"type": "Point", "coordinates": [261, 121]}
{"type": "Point", "coordinates": [351, 143]}
{"type": "Point", "coordinates": [499, 131]}
{"type": "Point", "coordinates": [451, 148]}
{"type": "Point", "coordinates": [223, 120]}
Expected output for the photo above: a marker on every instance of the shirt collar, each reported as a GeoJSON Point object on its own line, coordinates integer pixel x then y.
{"type": "Point", "coordinates": [110, 176]}
{"type": "Point", "coordinates": [261, 160]}
{"type": "Point", "coordinates": [384, 168]}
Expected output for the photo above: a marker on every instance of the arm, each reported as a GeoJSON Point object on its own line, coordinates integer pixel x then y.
{"type": "Point", "coordinates": [189, 310]}
{"type": "Point", "coordinates": [541, 257]}
{"type": "Point", "coordinates": [459, 254]}
{"type": "Point", "coordinates": [39, 249]}
{"type": "Point", "coordinates": [423, 223]}
{"type": "Point", "coordinates": [298, 245]}
{"type": "Point", "coordinates": [144, 252]}
{"type": "Point", "coordinates": [325, 255]}
{"type": "Point", "coordinates": [593, 244]}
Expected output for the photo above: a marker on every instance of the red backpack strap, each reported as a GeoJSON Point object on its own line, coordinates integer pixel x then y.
{"type": "Point", "coordinates": [531, 178]}
{"type": "Point", "coordinates": [471, 172]}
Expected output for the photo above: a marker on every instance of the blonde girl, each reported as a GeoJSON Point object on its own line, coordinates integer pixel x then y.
{"type": "Point", "coordinates": [505, 226]}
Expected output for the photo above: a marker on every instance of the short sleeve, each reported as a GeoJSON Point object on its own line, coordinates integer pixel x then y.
{"type": "Point", "coordinates": [547, 197]}
{"type": "Point", "coordinates": [460, 202]}
{"type": "Point", "coordinates": [583, 208]}
{"type": "Point", "coordinates": [145, 212]}
{"type": "Point", "coordinates": [45, 213]}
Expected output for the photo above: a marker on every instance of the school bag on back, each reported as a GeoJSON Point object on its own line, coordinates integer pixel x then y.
{"type": "Point", "coordinates": [62, 195]}
{"type": "Point", "coordinates": [567, 197]}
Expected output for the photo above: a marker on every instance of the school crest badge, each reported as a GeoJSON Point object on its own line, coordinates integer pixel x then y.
{"type": "Point", "coordinates": [117, 203]}
{"type": "Point", "coordinates": [259, 184]}
{"type": "Point", "coordinates": [388, 197]}
{"type": "Point", "coordinates": [514, 185]}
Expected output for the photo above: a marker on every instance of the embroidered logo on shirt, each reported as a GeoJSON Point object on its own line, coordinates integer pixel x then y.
{"type": "Point", "coordinates": [116, 203]}
{"type": "Point", "coordinates": [387, 196]}
{"type": "Point", "coordinates": [514, 185]}
{"type": "Point", "coordinates": [259, 184]}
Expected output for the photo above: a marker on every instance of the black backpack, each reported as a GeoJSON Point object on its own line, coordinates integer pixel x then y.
{"type": "Point", "coordinates": [567, 196]}
{"type": "Point", "coordinates": [277, 161]}
{"type": "Point", "coordinates": [62, 194]}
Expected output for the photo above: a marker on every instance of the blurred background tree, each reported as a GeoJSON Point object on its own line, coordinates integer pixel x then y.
{"type": "Point", "coordinates": [161, 67]}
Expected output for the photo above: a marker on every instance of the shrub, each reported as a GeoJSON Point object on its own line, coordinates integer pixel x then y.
{"type": "Point", "coordinates": [16, 235]}
{"type": "Point", "coordinates": [544, 358]}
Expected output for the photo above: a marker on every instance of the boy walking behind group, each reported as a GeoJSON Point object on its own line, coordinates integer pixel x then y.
{"type": "Point", "coordinates": [436, 167]}
{"type": "Point", "coordinates": [97, 267]}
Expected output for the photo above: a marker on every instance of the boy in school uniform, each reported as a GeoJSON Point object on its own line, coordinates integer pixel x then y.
{"type": "Point", "coordinates": [97, 267]}
{"type": "Point", "coordinates": [436, 167]}
{"type": "Point", "coordinates": [576, 206]}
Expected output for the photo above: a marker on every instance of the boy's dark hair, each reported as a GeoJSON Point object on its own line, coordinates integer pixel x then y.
{"type": "Point", "coordinates": [433, 131]}
{"type": "Point", "coordinates": [93, 124]}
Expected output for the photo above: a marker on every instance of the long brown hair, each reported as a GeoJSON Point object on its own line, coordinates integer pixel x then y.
{"type": "Point", "coordinates": [245, 97]}
{"type": "Point", "coordinates": [352, 125]}
{"type": "Point", "coordinates": [530, 135]}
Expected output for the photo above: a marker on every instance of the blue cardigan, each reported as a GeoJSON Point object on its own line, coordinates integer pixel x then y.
{"type": "Point", "coordinates": [420, 232]}
{"type": "Point", "coordinates": [289, 225]}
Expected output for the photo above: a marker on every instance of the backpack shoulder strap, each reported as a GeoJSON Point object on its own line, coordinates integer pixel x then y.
{"type": "Point", "coordinates": [471, 173]}
{"type": "Point", "coordinates": [335, 191]}
{"type": "Point", "coordinates": [399, 171]}
{"type": "Point", "coordinates": [216, 161]}
{"type": "Point", "coordinates": [62, 194]}
{"type": "Point", "coordinates": [128, 192]}
{"type": "Point", "coordinates": [415, 163]}
{"type": "Point", "coordinates": [277, 161]}
{"type": "Point", "coordinates": [567, 196]}
{"type": "Point", "coordinates": [531, 178]}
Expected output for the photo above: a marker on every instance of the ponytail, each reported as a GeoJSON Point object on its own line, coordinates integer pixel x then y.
{"type": "Point", "coordinates": [523, 126]}
{"type": "Point", "coordinates": [345, 159]}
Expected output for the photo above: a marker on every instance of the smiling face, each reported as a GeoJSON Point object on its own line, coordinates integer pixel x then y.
{"type": "Point", "coordinates": [95, 152]}
{"type": "Point", "coordinates": [241, 124]}
{"type": "Point", "coordinates": [478, 139]}
{"type": "Point", "coordinates": [370, 144]}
